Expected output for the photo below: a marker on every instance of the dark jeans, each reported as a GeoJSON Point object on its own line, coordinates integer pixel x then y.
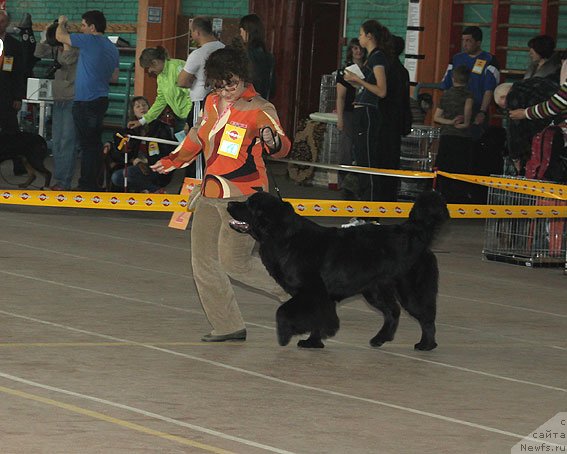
{"type": "Point", "coordinates": [367, 123]}
{"type": "Point", "coordinates": [88, 116]}
{"type": "Point", "coordinates": [9, 123]}
{"type": "Point", "coordinates": [138, 181]}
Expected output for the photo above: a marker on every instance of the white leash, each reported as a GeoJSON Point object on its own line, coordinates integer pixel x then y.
{"type": "Point", "coordinates": [356, 169]}
{"type": "Point", "coordinates": [154, 139]}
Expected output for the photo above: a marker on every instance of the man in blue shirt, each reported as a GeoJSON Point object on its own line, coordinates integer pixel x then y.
{"type": "Point", "coordinates": [97, 67]}
{"type": "Point", "coordinates": [484, 76]}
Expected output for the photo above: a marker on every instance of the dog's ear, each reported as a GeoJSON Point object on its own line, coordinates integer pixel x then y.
{"type": "Point", "coordinates": [288, 206]}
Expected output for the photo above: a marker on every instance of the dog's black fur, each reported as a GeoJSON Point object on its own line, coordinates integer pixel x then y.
{"type": "Point", "coordinates": [32, 148]}
{"type": "Point", "coordinates": [319, 266]}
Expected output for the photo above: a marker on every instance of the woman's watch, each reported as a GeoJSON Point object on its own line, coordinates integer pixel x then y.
{"type": "Point", "coordinates": [483, 112]}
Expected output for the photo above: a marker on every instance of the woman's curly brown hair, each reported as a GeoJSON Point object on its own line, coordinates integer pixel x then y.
{"type": "Point", "coordinates": [224, 64]}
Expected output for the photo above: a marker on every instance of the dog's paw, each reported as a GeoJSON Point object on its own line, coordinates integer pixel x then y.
{"type": "Point", "coordinates": [284, 333]}
{"type": "Point", "coordinates": [379, 339]}
{"type": "Point", "coordinates": [310, 343]}
{"type": "Point", "coordinates": [425, 346]}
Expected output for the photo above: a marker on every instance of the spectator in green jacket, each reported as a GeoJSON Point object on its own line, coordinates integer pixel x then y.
{"type": "Point", "coordinates": [157, 63]}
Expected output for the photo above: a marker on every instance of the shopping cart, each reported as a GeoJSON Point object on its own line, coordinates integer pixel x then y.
{"type": "Point", "coordinates": [529, 242]}
{"type": "Point", "coordinates": [418, 152]}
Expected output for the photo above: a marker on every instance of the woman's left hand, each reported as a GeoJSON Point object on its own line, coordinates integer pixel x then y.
{"type": "Point", "coordinates": [518, 114]}
{"type": "Point", "coordinates": [269, 138]}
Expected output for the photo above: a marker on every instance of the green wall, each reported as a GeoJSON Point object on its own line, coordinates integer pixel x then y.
{"type": "Point", "coordinates": [392, 13]}
{"type": "Point", "coordinates": [123, 11]}
{"type": "Point", "coordinates": [219, 8]}
{"type": "Point", "coordinates": [520, 14]}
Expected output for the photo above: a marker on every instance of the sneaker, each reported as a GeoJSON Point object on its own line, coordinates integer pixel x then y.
{"type": "Point", "coordinates": [57, 187]}
{"type": "Point", "coordinates": [353, 223]}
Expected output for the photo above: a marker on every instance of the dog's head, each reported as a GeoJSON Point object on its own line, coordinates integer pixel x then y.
{"type": "Point", "coordinates": [262, 216]}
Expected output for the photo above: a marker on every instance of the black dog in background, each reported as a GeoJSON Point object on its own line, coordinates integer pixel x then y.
{"type": "Point", "coordinates": [319, 266]}
{"type": "Point", "coordinates": [31, 148]}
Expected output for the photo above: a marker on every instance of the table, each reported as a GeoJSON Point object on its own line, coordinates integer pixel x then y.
{"type": "Point", "coordinates": [329, 152]}
{"type": "Point", "coordinates": [43, 105]}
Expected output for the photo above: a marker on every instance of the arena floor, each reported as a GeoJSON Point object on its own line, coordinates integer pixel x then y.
{"type": "Point", "coordinates": [99, 338]}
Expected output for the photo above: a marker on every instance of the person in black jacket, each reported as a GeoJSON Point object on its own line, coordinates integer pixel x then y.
{"type": "Point", "coordinates": [395, 107]}
{"type": "Point", "coordinates": [519, 95]}
{"type": "Point", "coordinates": [263, 64]}
{"type": "Point", "coordinates": [12, 83]}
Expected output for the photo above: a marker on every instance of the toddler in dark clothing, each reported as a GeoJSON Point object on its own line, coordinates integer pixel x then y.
{"type": "Point", "coordinates": [455, 146]}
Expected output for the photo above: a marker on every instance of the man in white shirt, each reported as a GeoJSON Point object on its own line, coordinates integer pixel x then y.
{"type": "Point", "coordinates": [193, 74]}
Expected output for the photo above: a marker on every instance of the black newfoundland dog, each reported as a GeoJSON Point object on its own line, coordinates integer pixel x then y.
{"type": "Point", "coordinates": [319, 266]}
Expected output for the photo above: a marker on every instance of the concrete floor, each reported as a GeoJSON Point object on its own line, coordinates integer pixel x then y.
{"type": "Point", "coordinates": [99, 338]}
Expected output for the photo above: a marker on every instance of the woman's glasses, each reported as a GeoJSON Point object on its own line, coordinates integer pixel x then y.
{"type": "Point", "coordinates": [230, 86]}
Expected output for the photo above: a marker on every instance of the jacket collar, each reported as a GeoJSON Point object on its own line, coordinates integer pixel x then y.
{"type": "Point", "coordinates": [249, 93]}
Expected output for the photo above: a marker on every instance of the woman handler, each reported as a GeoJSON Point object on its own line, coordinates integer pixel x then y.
{"type": "Point", "coordinates": [235, 119]}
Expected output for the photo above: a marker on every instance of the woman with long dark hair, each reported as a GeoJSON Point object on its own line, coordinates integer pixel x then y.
{"type": "Point", "coordinates": [253, 36]}
{"type": "Point", "coordinates": [367, 115]}
{"type": "Point", "coordinates": [346, 93]}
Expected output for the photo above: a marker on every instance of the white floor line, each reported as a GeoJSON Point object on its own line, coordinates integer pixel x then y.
{"type": "Point", "coordinates": [464, 328]}
{"type": "Point", "coordinates": [149, 414]}
{"type": "Point", "coordinates": [276, 380]}
{"type": "Point", "coordinates": [498, 279]}
{"type": "Point", "coordinates": [130, 239]}
{"type": "Point", "coordinates": [96, 292]}
{"type": "Point", "coordinates": [507, 306]}
{"type": "Point", "coordinates": [428, 361]}
{"type": "Point", "coordinates": [92, 259]}
{"type": "Point", "coordinates": [76, 256]}
{"type": "Point", "coordinates": [503, 336]}
{"type": "Point", "coordinates": [401, 355]}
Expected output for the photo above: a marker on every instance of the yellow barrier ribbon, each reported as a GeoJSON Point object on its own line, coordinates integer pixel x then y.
{"type": "Point", "coordinates": [341, 208]}
{"type": "Point", "coordinates": [519, 185]}
{"type": "Point", "coordinates": [304, 207]}
{"type": "Point", "coordinates": [100, 200]}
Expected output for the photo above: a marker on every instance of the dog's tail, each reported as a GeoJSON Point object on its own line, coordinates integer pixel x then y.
{"type": "Point", "coordinates": [429, 212]}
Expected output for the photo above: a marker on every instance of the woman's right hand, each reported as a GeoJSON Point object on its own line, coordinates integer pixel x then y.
{"type": "Point", "coordinates": [163, 166]}
{"type": "Point", "coordinates": [158, 167]}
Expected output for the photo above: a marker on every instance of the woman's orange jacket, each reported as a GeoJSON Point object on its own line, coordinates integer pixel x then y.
{"type": "Point", "coordinates": [231, 146]}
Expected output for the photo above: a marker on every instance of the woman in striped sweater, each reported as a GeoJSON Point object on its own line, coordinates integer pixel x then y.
{"type": "Point", "coordinates": [554, 106]}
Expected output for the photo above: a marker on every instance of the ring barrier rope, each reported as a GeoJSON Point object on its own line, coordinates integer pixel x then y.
{"type": "Point", "coordinates": [308, 207]}
{"type": "Point", "coordinates": [518, 185]}
{"type": "Point", "coordinates": [521, 186]}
